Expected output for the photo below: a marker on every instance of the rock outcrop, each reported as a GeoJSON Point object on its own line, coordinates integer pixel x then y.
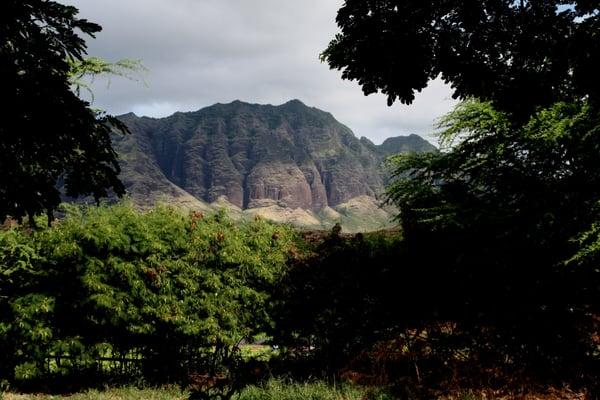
{"type": "Point", "coordinates": [254, 156]}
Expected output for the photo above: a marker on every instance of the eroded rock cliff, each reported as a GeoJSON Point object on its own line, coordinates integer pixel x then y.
{"type": "Point", "coordinates": [254, 156]}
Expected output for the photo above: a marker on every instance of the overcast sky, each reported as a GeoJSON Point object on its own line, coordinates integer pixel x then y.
{"type": "Point", "coordinates": [201, 52]}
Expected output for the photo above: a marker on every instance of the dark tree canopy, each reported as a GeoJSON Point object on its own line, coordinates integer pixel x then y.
{"type": "Point", "coordinates": [494, 222]}
{"type": "Point", "coordinates": [47, 134]}
{"type": "Point", "coordinates": [518, 54]}
{"type": "Point", "coordinates": [507, 209]}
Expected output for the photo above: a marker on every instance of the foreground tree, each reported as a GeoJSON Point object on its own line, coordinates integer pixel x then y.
{"type": "Point", "coordinates": [47, 134]}
{"type": "Point", "coordinates": [515, 184]}
{"type": "Point", "coordinates": [518, 54]}
{"type": "Point", "coordinates": [509, 203]}
{"type": "Point", "coordinates": [502, 205]}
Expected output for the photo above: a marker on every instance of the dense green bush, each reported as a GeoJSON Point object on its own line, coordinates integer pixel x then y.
{"type": "Point", "coordinates": [154, 294]}
{"type": "Point", "coordinates": [340, 299]}
{"type": "Point", "coordinates": [386, 309]}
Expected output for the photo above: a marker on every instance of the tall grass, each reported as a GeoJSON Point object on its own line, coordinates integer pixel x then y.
{"type": "Point", "coordinates": [127, 393]}
{"type": "Point", "coordinates": [280, 390]}
{"type": "Point", "coordinates": [272, 390]}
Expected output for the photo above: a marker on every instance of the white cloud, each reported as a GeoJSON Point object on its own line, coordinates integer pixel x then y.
{"type": "Point", "coordinates": [200, 52]}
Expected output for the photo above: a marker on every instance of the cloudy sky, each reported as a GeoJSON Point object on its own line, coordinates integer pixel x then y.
{"type": "Point", "coordinates": [201, 52]}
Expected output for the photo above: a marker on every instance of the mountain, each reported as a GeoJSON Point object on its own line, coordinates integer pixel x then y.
{"type": "Point", "coordinates": [404, 144]}
{"type": "Point", "coordinates": [289, 162]}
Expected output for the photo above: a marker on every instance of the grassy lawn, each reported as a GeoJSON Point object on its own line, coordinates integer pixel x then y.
{"type": "Point", "coordinates": [110, 394]}
{"type": "Point", "coordinates": [273, 390]}
{"type": "Point", "coordinates": [278, 390]}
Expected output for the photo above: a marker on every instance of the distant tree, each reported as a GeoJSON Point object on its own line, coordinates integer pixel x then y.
{"type": "Point", "coordinates": [47, 133]}
{"type": "Point", "coordinates": [518, 54]}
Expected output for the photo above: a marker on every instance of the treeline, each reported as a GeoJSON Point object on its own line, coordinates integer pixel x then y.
{"type": "Point", "coordinates": [111, 294]}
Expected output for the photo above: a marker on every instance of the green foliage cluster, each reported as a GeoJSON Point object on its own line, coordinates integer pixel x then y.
{"type": "Point", "coordinates": [494, 171]}
{"type": "Point", "coordinates": [510, 209]}
{"type": "Point", "coordinates": [156, 294]}
{"type": "Point", "coordinates": [339, 300]}
{"type": "Point", "coordinates": [95, 67]}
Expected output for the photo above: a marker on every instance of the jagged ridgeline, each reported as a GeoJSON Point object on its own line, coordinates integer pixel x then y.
{"type": "Point", "coordinates": [288, 163]}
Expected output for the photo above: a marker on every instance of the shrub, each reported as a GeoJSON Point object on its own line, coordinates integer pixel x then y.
{"type": "Point", "coordinates": [115, 291]}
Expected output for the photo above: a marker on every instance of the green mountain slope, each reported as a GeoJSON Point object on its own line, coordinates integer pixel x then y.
{"type": "Point", "coordinates": [289, 162]}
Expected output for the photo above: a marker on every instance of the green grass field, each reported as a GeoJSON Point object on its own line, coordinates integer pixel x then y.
{"type": "Point", "coordinates": [273, 390]}
{"type": "Point", "coordinates": [278, 390]}
{"type": "Point", "coordinates": [110, 394]}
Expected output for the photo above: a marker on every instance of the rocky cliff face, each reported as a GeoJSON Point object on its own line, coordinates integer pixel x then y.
{"type": "Point", "coordinates": [253, 156]}
{"type": "Point", "coordinates": [292, 155]}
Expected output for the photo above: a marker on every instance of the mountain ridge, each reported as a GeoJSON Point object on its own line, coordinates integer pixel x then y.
{"type": "Point", "coordinates": [253, 156]}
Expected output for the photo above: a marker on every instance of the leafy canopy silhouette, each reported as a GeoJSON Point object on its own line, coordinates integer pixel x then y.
{"type": "Point", "coordinates": [518, 54]}
{"type": "Point", "coordinates": [510, 204]}
{"type": "Point", "coordinates": [48, 136]}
